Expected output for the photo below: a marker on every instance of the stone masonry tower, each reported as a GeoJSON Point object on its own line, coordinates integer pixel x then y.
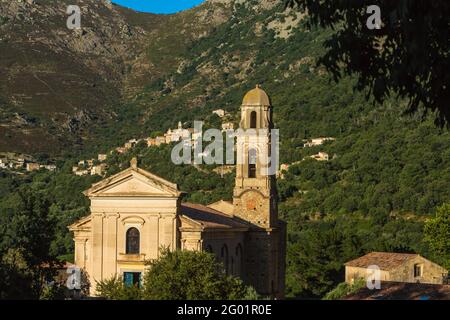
{"type": "Point", "coordinates": [255, 198]}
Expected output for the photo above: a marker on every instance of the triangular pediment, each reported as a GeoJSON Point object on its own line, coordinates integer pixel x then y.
{"type": "Point", "coordinates": [83, 223]}
{"type": "Point", "coordinates": [134, 183]}
{"type": "Point", "coordinates": [188, 223]}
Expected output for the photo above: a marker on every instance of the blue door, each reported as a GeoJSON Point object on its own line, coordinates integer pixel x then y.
{"type": "Point", "coordinates": [131, 279]}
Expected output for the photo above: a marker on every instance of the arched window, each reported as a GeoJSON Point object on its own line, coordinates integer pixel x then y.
{"type": "Point", "coordinates": [224, 256]}
{"type": "Point", "coordinates": [232, 267]}
{"type": "Point", "coordinates": [238, 267]}
{"type": "Point", "coordinates": [252, 163]}
{"type": "Point", "coordinates": [133, 241]}
{"type": "Point", "coordinates": [253, 119]}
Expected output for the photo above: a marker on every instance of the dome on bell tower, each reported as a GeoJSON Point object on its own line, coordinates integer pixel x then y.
{"type": "Point", "coordinates": [256, 97]}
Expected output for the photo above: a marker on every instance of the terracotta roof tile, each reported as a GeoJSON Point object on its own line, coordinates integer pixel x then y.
{"type": "Point", "coordinates": [384, 260]}
{"type": "Point", "coordinates": [208, 217]}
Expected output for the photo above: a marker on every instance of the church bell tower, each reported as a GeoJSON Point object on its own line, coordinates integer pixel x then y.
{"type": "Point", "coordinates": [255, 191]}
{"type": "Point", "coordinates": [255, 197]}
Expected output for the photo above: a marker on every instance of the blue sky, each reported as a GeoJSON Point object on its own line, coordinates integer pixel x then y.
{"type": "Point", "coordinates": [159, 6]}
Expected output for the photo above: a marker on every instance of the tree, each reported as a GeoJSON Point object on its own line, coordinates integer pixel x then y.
{"type": "Point", "coordinates": [408, 55]}
{"type": "Point", "coordinates": [16, 278]}
{"type": "Point", "coordinates": [189, 275]}
{"type": "Point", "coordinates": [437, 234]}
{"type": "Point", "coordinates": [314, 260]}
{"type": "Point", "coordinates": [115, 289]}
{"type": "Point", "coordinates": [26, 233]}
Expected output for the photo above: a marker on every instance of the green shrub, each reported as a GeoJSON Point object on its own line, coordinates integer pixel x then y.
{"type": "Point", "coordinates": [115, 289]}
{"type": "Point", "coordinates": [344, 289]}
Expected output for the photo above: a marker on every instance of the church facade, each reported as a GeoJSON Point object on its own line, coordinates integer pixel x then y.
{"type": "Point", "coordinates": [135, 213]}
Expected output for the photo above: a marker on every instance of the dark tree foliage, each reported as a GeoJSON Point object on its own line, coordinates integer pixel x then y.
{"type": "Point", "coordinates": [437, 235]}
{"type": "Point", "coordinates": [26, 232]}
{"type": "Point", "coordinates": [408, 56]}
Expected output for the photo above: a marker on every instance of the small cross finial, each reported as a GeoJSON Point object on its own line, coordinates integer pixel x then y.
{"type": "Point", "coordinates": [134, 163]}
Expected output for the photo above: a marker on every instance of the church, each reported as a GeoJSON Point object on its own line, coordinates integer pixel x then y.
{"type": "Point", "coordinates": [135, 213]}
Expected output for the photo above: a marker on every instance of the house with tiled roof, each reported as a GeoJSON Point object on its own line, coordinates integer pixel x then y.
{"type": "Point", "coordinates": [395, 267]}
{"type": "Point", "coordinates": [135, 213]}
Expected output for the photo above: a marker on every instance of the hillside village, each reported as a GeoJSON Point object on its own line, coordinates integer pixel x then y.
{"type": "Point", "coordinates": [98, 167]}
{"type": "Point", "coordinates": [19, 163]}
{"type": "Point", "coordinates": [25, 163]}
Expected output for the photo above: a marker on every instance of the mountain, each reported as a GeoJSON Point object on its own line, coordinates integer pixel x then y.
{"type": "Point", "coordinates": [58, 85]}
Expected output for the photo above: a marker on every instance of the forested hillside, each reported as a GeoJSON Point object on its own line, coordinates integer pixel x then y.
{"type": "Point", "coordinates": [387, 172]}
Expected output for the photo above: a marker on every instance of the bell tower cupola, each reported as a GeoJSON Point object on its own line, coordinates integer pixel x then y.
{"type": "Point", "coordinates": [256, 110]}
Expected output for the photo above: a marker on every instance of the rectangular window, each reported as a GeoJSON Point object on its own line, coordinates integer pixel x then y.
{"type": "Point", "coordinates": [252, 170]}
{"type": "Point", "coordinates": [252, 158]}
{"type": "Point", "coordinates": [131, 279]}
{"type": "Point", "coordinates": [418, 268]}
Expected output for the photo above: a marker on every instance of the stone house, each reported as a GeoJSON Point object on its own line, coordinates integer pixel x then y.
{"type": "Point", "coordinates": [81, 172]}
{"type": "Point", "coordinates": [121, 150]}
{"type": "Point", "coordinates": [321, 156]}
{"type": "Point", "coordinates": [49, 167]}
{"type": "Point", "coordinates": [318, 141]}
{"type": "Point", "coordinates": [31, 166]}
{"type": "Point", "coordinates": [396, 267]}
{"type": "Point", "coordinates": [160, 140]}
{"type": "Point", "coordinates": [128, 145]}
{"type": "Point", "coordinates": [98, 169]}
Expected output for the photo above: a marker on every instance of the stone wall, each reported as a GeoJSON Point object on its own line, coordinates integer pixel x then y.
{"type": "Point", "coordinates": [431, 272]}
